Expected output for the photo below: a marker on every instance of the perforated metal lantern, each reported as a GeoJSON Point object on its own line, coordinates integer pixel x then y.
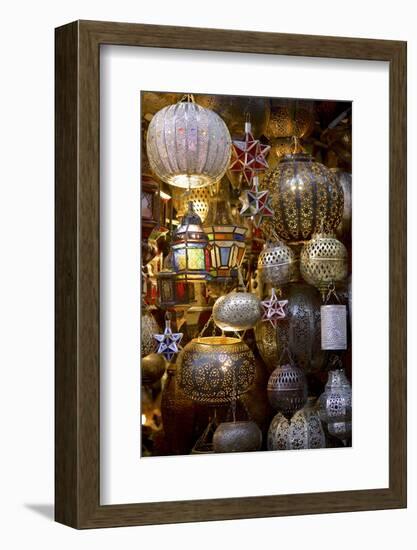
{"type": "Point", "coordinates": [324, 260]}
{"type": "Point", "coordinates": [226, 237]}
{"type": "Point", "coordinates": [287, 389]}
{"type": "Point", "coordinates": [237, 437]}
{"type": "Point", "coordinates": [303, 431]}
{"type": "Point", "coordinates": [237, 311]}
{"type": "Point", "coordinates": [214, 369]}
{"type": "Point", "coordinates": [276, 264]}
{"type": "Point", "coordinates": [290, 118]}
{"type": "Point", "coordinates": [200, 197]}
{"type": "Point", "coordinates": [336, 405]}
{"type": "Point", "coordinates": [188, 146]}
{"type": "Point", "coordinates": [300, 330]}
{"type": "Point", "coordinates": [148, 328]}
{"type": "Point", "coordinates": [190, 249]}
{"type": "Point", "coordinates": [333, 327]}
{"type": "Point", "coordinates": [305, 196]}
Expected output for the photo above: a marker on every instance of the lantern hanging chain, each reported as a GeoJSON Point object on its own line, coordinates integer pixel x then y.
{"type": "Point", "coordinates": [331, 291]}
{"type": "Point", "coordinates": [241, 285]}
{"type": "Point", "coordinates": [286, 350]}
{"type": "Point", "coordinates": [206, 326]}
{"type": "Point", "coordinates": [187, 98]}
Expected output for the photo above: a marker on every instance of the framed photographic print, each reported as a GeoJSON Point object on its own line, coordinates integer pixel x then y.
{"type": "Point", "coordinates": [230, 274]}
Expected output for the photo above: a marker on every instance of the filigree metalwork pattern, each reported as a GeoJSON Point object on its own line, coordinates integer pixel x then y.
{"type": "Point", "coordinates": [305, 196]}
{"type": "Point", "coordinates": [213, 370]}
{"type": "Point", "coordinates": [237, 437]}
{"type": "Point", "coordinates": [336, 405]}
{"type": "Point", "coordinates": [237, 311]}
{"type": "Point", "coordinates": [287, 389]}
{"type": "Point", "coordinates": [276, 264]}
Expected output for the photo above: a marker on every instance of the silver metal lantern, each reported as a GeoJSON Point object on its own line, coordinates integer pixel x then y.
{"type": "Point", "coordinates": [336, 406]}
{"type": "Point", "coordinates": [333, 327]}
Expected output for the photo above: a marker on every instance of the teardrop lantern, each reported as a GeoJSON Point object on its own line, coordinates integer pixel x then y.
{"type": "Point", "coordinates": [188, 146]}
{"type": "Point", "coordinates": [287, 389]}
{"type": "Point", "coordinates": [336, 406]}
{"type": "Point", "coordinates": [303, 431]}
{"type": "Point", "coordinates": [323, 261]}
{"type": "Point", "coordinates": [214, 369]}
{"type": "Point", "coordinates": [305, 196]}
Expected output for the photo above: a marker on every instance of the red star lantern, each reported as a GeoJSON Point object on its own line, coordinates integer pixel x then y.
{"type": "Point", "coordinates": [249, 155]}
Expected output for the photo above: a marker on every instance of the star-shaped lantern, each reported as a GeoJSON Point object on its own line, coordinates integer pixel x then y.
{"type": "Point", "coordinates": [168, 342]}
{"type": "Point", "coordinates": [248, 155]}
{"type": "Point", "coordinates": [273, 309]}
{"type": "Point", "coordinates": [256, 204]}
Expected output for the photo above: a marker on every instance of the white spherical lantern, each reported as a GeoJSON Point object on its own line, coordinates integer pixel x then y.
{"type": "Point", "coordinates": [188, 146]}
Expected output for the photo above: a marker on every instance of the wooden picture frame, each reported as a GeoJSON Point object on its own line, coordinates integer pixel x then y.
{"type": "Point", "coordinates": [77, 405]}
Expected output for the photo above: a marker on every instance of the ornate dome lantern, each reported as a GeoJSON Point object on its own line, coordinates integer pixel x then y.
{"type": "Point", "coordinates": [188, 146]}
{"type": "Point", "coordinates": [305, 196]}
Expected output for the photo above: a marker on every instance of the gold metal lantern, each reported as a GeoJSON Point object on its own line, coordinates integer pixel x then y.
{"type": "Point", "coordinates": [290, 118]}
{"type": "Point", "coordinates": [305, 196]}
{"type": "Point", "coordinates": [200, 197]}
{"type": "Point", "coordinates": [215, 369]}
{"type": "Point", "coordinates": [148, 328]}
{"type": "Point", "coordinates": [276, 264]}
{"type": "Point", "coordinates": [324, 260]}
{"type": "Point", "coordinates": [188, 145]}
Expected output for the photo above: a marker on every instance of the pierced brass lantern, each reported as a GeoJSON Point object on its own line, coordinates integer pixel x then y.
{"type": "Point", "coordinates": [305, 196]}
{"type": "Point", "coordinates": [290, 118]}
{"type": "Point", "coordinates": [276, 264]}
{"type": "Point", "coordinates": [324, 260]}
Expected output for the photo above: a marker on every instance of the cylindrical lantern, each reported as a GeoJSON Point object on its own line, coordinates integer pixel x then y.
{"type": "Point", "coordinates": [324, 260]}
{"type": "Point", "coordinates": [300, 330]}
{"type": "Point", "coordinates": [276, 264]}
{"type": "Point", "coordinates": [190, 249]}
{"type": "Point", "coordinates": [237, 437]}
{"type": "Point", "coordinates": [305, 196]}
{"type": "Point", "coordinates": [226, 237]}
{"type": "Point", "coordinates": [188, 146]}
{"type": "Point", "coordinates": [303, 431]}
{"type": "Point", "coordinates": [215, 369]}
{"type": "Point", "coordinates": [237, 311]}
{"type": "Point", "coordinates": [287, 389]}
{"type": "Point", "coordinates": [336, 405]}
{"type": "Point", "coordinates": [333, 327]}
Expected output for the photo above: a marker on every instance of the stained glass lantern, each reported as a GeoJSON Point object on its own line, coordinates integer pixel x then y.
{"type": "Point", "coordinates": [226, 237]}
{"type": "Point", "coordinates": [190, 249]}
{"type": "Point", "coordinates": [188, 146]}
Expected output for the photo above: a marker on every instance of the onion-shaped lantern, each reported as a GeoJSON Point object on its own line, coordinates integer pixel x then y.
{"type": "Point", "coordinates": [215, 369]}
{"type": "Point", "coordinates": [237, 437]}
{"type": "Point", "coordinates": [336, 405]}
{"type": "Point", "coordinates": [305, 196]}
{"type": "Point", "coordinates": [303, 431]}
{"type": "Point", "coordinates": [324, 260]}
{"type": "Point", "coordinates": [188, 146]}
{"type": "Point", "coordinates": [276, 264]}
{"type": "Point", "coordinates": [226, 237]}
{"type": "Point", "coordinates": [190, 249]}
{"type": "Point", "coordinates": [287, 389]}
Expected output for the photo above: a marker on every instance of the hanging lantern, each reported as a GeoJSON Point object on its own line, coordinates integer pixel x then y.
{"type": "Point", "coordinates": [234, 110]}
{"type": "Point", "coordinates": [255, 203]}
{"type": "Point", "coordinates": [188, 146]}
{"type": "Point", "coordinates": [214, 369]}
{"type": "Point", "coordinates": [273, 309]}
{"type": "Point", "coordinates": [344, 229]}
{"type": "Point", "coordinates": [248, 157]}
{"type": "Point", "coordinates": [276, 264]}
{"type": "Point", "coordinates": [300, 330]}
{"type": "Point", "coordinates": [237, 311]}
{"type": "Point", "coordinates": [200, 197]}
{"type": "Point", "coordinates": [305, 196]}
{"type": "Point", "coordinates": [323, 261]}
{"type": "Point", "coordinates": [290, 118]}
{"type": "Point", "coordinates": [303, 431]}
{"type": "Point", "coordinates": [190, 249]}
{"type": "Point", "coordinates": [237, 437]}
{"type": "Point", "coordinates": [148, 328]}
{"type": "Point", "coordinates": [226, 238]}
{"type": "Point", "coordinates": [336, 406]}
{"type": "Point", "coordinates": [287, 389]}
{"type": "Point", "coordinates": [168, 342]}
{"type": "Point", "coordinates": [152, 369]}
{"type": "Point", "coordinates": [149, 205]}
{"type": "Point", "coordinates": [333, 327]}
